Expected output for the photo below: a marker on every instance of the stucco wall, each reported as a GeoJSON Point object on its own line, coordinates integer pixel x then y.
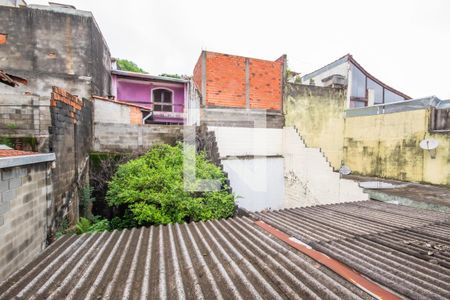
{"type": "Point", "coordinates": [258, 183]}
{"type": "Point", "coordinates": [54, 46]}
{"type": "Point", "coordinates": [387, 145]}
{"type": "Point", "coordinates": [107, 111]}
{"type": "Point", "coordinates": [317, 112]}
{"type": "Point", "coordinates": [140, 92]}
{"type": "Point", "coordinates": [239, 141]}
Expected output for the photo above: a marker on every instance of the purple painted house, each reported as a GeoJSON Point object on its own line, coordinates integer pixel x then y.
{"type": "Point", "coordinates": [165, 96]}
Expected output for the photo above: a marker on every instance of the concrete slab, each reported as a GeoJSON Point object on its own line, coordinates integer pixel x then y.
{"type": "Point", "coordinates": [408, 193]}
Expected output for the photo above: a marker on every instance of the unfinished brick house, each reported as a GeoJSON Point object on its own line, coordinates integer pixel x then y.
{"type": "Point", "coordinates": [239, 91]}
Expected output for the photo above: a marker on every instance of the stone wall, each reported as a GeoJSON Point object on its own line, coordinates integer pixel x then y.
{"type": "Point", "coordinates": [123, 138]}
{"type": "Point", "coordinates": [71, 138]}
{"type": "Point", "coordinates": [25, 196]}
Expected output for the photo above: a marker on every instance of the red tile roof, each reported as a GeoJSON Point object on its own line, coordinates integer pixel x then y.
{"type": "Point", "coordinates": [8, 152]}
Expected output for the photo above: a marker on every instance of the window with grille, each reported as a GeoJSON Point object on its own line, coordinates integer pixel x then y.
{"type": "Point", "coordinates": [162, 100]}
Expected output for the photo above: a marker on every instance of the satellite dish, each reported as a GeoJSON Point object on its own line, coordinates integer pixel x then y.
{"type": "Point", "coordinates": [429, 144]}
{"type": "Point", "coordinates": [345, 170]}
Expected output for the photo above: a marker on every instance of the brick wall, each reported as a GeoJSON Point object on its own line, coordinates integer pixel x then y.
{"type": "Point", "coordinates": [25, 195]}
{"type": "Point", "coordinates": [71, 137]}
{"type": "Point", "coordinates": [135, 116]}
{"type": "Point", "coordinates": [197, 74]}
{"type": "Point", "coordinates": [265, 84]}
{"type": "Point", "coordinates": [240, 82]}
{"type": "Point", "coordinates": [225, 80]}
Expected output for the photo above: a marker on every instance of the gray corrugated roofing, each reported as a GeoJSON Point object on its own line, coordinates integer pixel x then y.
{"type": "Point", "coordinates": [212, 260]}
{"type": "Point", "coordinates": [403, 248]}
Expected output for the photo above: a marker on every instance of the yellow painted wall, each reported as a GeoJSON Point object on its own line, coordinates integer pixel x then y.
{"type": "Point", "coordinates": [384, 145]}
{"type": "Point", "coordinates": [318, 114]}
{"type": "Point", "coordinates": [387, 146]}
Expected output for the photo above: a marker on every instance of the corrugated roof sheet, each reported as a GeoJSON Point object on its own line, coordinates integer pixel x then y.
{"type": "Point", "coordinates": [224, 259]}
{"type": "Point", "coordinates": [11, 80]}
{"type": "Point", "coordinates": [403, 248]}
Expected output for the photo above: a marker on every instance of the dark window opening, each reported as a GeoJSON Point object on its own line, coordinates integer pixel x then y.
{"type": "Point", "coordinates": [162, 100]}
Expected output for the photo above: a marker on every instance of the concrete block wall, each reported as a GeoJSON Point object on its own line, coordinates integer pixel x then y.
{"type": "Point", "coordinates": [25, 196]}
{"type": "Point", "coordinates": [24, 116]}
{"type": "Point", "coordinates": [116, 138]}
{"type": "Point", "coordinates": [71, 138]}
{"type": "Point", "coordinates": [235, 117]}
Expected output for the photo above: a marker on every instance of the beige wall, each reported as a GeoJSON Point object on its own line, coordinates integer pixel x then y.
{"type": "Point", "coordinates": [317, 113]}
{"type": "Point", "coordinates": [385, 145]}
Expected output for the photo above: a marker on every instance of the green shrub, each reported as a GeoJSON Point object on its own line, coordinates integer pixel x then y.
{"type": "Point", "coordinates": [97, 225]}
{"type": "Point", "coordinates": [83, 225]}
{"type": "Point", "coordinates": [152, 189]}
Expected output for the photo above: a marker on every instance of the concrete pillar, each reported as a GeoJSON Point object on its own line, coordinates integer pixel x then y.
{"type": "Point", "coordinates": [247, 83]}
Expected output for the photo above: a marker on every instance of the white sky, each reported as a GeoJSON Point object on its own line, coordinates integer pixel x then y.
{"type": "Point", "coordinates": [405, 44]}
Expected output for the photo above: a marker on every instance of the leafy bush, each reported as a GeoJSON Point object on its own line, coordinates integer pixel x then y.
{"type": "Point", "coordinates": [128, 65]}
{"type": "Point", "coordinates": [152, 189]}
{"type": "Point", "coordinates": [85, 225]}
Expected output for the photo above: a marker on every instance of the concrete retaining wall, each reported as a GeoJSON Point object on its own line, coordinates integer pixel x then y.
{"type": "Point", "coordinates": [25, 198]}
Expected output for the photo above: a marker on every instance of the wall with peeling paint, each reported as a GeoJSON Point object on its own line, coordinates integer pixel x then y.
{"type": "Point", "coordinates": [52, 46]}
{"type": "Point", "coordinates": [317, 113]}
{"type": "Point", "coordinates": [385, 145]}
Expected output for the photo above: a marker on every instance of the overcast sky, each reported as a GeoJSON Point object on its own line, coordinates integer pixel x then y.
{"type": "Point", "coordinates": [405, 44]}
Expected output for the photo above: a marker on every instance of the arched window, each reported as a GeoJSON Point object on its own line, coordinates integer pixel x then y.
{"type": "Point", "coordinates": [162, 99]}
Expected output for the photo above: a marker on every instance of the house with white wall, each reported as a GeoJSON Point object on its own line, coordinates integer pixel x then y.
{"type": "Point", "coordinates": [363, 89]}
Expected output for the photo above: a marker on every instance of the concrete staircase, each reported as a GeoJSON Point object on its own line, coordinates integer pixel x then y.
{"type": "Point", "coordinates": [272, 168]}
{"type": "Point", "coordinates": [309, 177]}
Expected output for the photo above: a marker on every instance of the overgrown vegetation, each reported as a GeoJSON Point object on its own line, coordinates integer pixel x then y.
{"type": "Point", "coordinates": [27, 143]}
{"type": "Point", "coordinates": [86, 201]}
{"type": "Point", "coordinates": [152, 189]}
{"type": "Point", "coordinates": [149, 189]}
{"type": "Point", "coordinates": [96, 225]}
{"type": "Point", "coordinates": [128, 65]}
